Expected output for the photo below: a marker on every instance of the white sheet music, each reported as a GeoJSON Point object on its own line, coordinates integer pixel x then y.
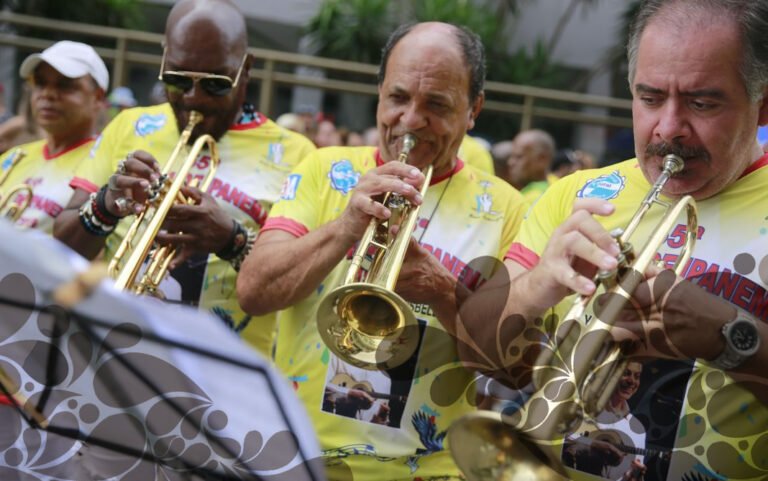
{"type": "Point", "coordinates": [229, 412]}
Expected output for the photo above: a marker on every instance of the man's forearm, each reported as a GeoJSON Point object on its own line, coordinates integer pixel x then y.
{"type": "Point", "coordinates": [280, 272]}
{"type": "Point", "coordinates": [498, 313]}
{"type": "Point", "coordinates": [68, 229]}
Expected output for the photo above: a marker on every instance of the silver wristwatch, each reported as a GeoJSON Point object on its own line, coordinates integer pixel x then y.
{"type": "Point", "coordinates": [742, 340]}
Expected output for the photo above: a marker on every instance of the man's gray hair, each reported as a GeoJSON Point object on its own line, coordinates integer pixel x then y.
{"type": "Point", "coordinates": [750, 15]}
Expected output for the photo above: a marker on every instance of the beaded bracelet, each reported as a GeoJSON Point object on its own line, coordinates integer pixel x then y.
{"type": "Point", "coordinates": [100, 208]}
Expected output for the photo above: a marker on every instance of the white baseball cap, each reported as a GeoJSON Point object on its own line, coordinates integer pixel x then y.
{"type": "Point", "coordinates": [71, 59]}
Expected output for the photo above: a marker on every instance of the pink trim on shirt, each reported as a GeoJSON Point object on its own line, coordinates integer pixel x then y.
{"type": "Point", "coordinates": [522, 255]}
{"type": "Point", "coordinates": [759, 164]}
{"type": "Point", "coordinates": [459, 165]}
{"type": "Point", "coordinates": [86, 185]}
{"type": "Point", "coordinates": [47, 155]}
{"type": "Point", "coordinates": [285, 224]}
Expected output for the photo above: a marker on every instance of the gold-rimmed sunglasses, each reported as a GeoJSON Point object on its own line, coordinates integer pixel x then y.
{"type": "Point", "coordinates": [214, 84]}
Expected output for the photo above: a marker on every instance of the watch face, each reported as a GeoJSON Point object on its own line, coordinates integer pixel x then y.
{"type": "Point", "coordinates": [743, 336]}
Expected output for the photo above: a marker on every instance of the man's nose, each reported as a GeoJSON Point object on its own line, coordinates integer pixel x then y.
{"type": "Point", "coordinates": [412, 119]}
{"type": "Point", "coordinates": [673, 125]}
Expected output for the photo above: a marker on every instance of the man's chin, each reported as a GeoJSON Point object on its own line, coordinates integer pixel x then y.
{"type": "Point", "coordinates": [680, 187]}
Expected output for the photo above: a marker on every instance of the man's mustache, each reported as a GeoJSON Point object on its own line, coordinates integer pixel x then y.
{"type": "Point", "coordinates": [662, 149]}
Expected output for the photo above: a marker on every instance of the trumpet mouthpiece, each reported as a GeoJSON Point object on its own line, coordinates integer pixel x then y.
{"type": "Point", "coordinates": [673, 164]}
{"type": "Point", "coordinates": [409, 142]}
{"type": "Point", "coordinates": [195, 117]}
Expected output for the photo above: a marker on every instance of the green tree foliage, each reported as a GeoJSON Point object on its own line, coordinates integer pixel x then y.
{"type": "Point", "coordinates": [357, 30]}
{"type": "Point", "coordinates": [351, 29]}
{"type": "Point", "coordinates": [114, 13]}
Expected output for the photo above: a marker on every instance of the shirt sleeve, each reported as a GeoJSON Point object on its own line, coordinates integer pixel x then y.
{"type": "Point", "coordinates": [552, 208]}
{"type": "Point", "coordinates": [95, 170]}
{"type": "Point", "coordinates": [516, 209]}
{"type": "Point", "coordinates": [296, 212]}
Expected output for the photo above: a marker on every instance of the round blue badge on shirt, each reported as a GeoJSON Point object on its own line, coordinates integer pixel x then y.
{"type": "Point", "coordinates": [605, 187]}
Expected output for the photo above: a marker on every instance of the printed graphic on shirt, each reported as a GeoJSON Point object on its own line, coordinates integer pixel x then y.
{"type": "Point", "coordinates": [290, 186]}
{"type": "Point", "coordinates": [638, 426]}
{"type": "Point", "coordinates": [275, 153]}
{"type": "Point", "coordinates": [8, 160]}
{"type": "Point", "coordinates": [605, 187]}
{"type": "Point", "coordinates": [377, 397]}
{"type": "Point", "coordinates": [484, 204]}
{"type": "Point", "coordinates": [343, 176]}
{"type": "Point", "coordinates": [148, 123]}
{"type": "Point", "coordinates": [95, 147]}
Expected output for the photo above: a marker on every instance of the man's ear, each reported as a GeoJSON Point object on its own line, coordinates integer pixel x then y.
{"type": "Point", "coordinates": [100, 94]}
{"type": "Point", "coordinates": [474, 112]}
{"type": "Point", "coordinates": [762, 118]}
{"type": "Point", "coordinates": [247, 67]}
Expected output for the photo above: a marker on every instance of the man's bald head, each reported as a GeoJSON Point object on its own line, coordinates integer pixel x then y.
{"type": "Point", "coordinates": [531, 157]}
{"type": "Point", "coordinates": [219, 21]}
{"type": "Point", "coordinates": [207, 37]}
{"type": "Point", "coordinates": [538, 139]}
{"type": "Point", "coordinates": [468, 42]}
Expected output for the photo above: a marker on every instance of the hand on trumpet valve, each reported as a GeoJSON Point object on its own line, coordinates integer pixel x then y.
{"type": "Point", "coordinates": [202, 226]}
{"type": "Point", "coordinates": [367, 197]}
{"type": "Point", "coordinates": [132, 184]}
{"type": "Point", "coordinates": [424, 279]}
{"type": "Point", "coordinates": [578, 248]}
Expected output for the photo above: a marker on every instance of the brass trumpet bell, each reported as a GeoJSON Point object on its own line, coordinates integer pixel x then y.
{"type": "Point", "coordinates": [10, 208]}
{"type": "Point", "coordinates": [488, 449]}
{"type": "Point", "coordinates": [368, 326]}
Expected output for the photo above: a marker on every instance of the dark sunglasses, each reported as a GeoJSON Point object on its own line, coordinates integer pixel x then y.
{"type": "Point", "coordinates": [213, 84]}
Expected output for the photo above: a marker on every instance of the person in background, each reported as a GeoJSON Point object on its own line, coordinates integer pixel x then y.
{"type": "Point", "coordinates": [327, 135]}
{"type": "Point", "coordinates": [119, 99]}
{"type": "Point", "coordinates": [475, 152]}
{"type": "Point", "coordinates": [528, 164]}
{"type": "Point", "coordinates": [292, 122]}
{"type": "Point", "coordinates": [66, 82]}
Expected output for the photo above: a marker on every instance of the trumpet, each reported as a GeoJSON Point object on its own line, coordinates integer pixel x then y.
{"type": "Point", "coordinates": [586, 363]}
{"type": "Point", "coordinates": [139, 241]}
{"type": "Point", "coordinates": [9, 208]}
{"type": "Point", "coordinates": [363, 321]}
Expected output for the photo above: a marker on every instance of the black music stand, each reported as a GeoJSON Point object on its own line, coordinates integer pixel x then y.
{"type": "Point", "coordinates": [134, 387]}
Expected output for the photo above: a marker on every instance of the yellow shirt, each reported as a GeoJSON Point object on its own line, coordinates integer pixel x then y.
{"type": "Point", "coordinates": [465, 215]}
{"type": "Point", "coordinates": [49, 177]}
{"type": "Point", "coordinates": [715, 428]}
{"type": "Point", "coordinates": [256, 156]}
{"type": "Point", "coordinates": [472, 152]}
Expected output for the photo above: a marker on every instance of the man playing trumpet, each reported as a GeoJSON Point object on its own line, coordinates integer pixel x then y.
{"type": "Point", "coordinates": [430, 86]}
{"type": "Point", "coordinates": [700, 98]}
{"type": "Point", "coordinates": [205, 69]}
